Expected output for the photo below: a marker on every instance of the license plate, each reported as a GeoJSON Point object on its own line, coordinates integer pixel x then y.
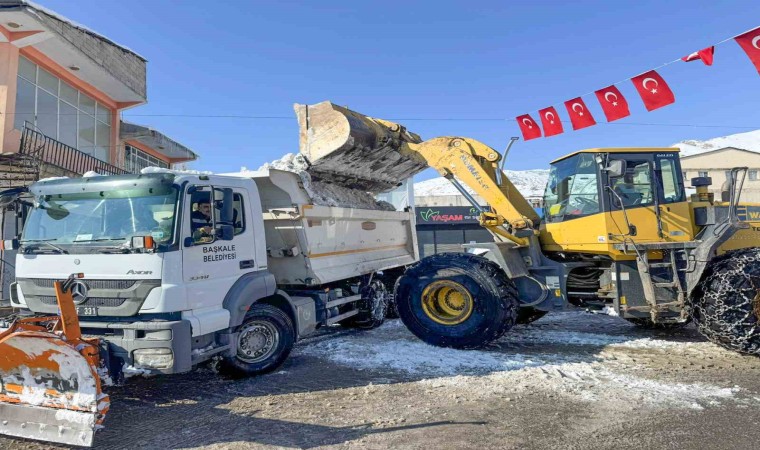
{"type": "Point", "coordinates": [87, 311]}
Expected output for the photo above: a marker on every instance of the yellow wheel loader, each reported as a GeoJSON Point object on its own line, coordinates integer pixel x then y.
{"type": "Point", "coordinates": [619, 231]}
{"type": "Point", "coordinates": [50, 377]}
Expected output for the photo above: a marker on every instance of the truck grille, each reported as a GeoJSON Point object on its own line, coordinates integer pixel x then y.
{"type": "Point", "coordinates": [93, 284]}
{"type": "Point", "coordinates": [91, 301]}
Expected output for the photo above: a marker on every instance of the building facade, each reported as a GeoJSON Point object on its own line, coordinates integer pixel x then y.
{"type": "Point", "coordinates": [63, 88]}
{"type": "Point", "coordinates": [717, 164]}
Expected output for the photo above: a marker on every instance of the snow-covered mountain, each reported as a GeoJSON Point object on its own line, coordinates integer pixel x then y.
{"type": "Point", "coordinates": [530, 183]}
{"type": "Point", "coordinates": [747, 141]}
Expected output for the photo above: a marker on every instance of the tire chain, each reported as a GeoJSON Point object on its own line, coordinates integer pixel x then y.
{"type": "Point", "coordinates": [725, 302]}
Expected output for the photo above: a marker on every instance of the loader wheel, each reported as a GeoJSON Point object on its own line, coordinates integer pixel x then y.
{"type": "Point", "coordinates": [372, 312]}
{"type": "Point", "coordinates": [726, 303]}
{"type": "Point", "coordinates": [457, 300]}
{"type": "Point", "coordinates": [528, 315]}
{"type": "Point", "coordinates": [263, 342]}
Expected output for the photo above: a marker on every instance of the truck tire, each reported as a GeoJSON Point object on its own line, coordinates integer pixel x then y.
{"type": "Point", "coordinates": [457, 300]}
{"type": "Point", "coordinates": [528, 315]}
{"type": "Point", "coordinates": [373, 309]}
{"type": "Point", "coordinates": [726, 303]}
{"type": "Point", "coordinates": [263, 342]}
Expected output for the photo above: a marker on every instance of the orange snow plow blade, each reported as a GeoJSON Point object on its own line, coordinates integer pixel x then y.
{"type": "Point", "coordinates": [49, 383]}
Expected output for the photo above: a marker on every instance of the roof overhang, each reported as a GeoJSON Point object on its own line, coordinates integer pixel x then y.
{"type": "Point", "coordinates": [112, 69]}
{"type": "Point", "coordinates": [157, 141]}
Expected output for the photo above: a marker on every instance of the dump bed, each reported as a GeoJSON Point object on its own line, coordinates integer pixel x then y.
{"type": "Point", "coordinates": [310, 244]}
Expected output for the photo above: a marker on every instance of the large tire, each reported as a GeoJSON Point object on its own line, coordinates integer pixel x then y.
{"type": "Point", "coordinates": [262, 344]}
{"type": "Point", "coordinates": [456, 300]}
{"type": "Point", "coordinates": [726, 303]}
{"type": "Point", "coordinates": [646, 323]}
{"type": "Point", "coordinates": [373, 309]}
{"type": "Point", "coordinates": [528, 315]}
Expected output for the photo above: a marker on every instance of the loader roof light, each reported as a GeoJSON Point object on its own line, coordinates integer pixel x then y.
{"type": "Point", "coordinates": [143, 242]}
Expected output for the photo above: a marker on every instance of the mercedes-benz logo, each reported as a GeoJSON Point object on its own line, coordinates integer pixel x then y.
{"type": "Point", "coordinates": [79, 292]}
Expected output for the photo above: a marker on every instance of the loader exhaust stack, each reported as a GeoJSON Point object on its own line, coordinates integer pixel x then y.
{"type": "Point", "coordinates": [353, 150]}
{"type": "Point", "coordinates": [50, 386]}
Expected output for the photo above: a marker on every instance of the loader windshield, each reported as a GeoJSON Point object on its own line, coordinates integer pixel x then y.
{"type": "Point", "coordinates": [573, 189]}
{"type": "Point", "coordinates": [105, 218]}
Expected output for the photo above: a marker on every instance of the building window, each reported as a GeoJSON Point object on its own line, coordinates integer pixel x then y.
{"type": "Point", "coordinates": [61, 112]}
{"type": "Point", "coordinates": [728, 174]}
{"type": "Point", "coordinates": [753, 175]}
{"type": "Point", "coordinates": [685, 175]}
{"type": "Point", "coordinates": [135, 160]}
{"type": "Point", "coordinates": [702, 174]}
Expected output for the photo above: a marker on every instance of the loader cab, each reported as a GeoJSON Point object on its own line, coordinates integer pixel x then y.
{"type": "Point", "coordinates": [608, 180]}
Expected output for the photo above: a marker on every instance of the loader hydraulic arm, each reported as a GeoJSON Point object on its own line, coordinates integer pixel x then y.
{"type": "Point", "coordinates": [476, 165]}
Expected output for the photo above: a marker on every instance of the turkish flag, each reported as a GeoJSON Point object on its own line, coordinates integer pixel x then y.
{"type": "Point", "coordinates": [550, 121]}
{"type": "Point", "coordinates": [580, 116]}
{"type": "Point", "coordinates": [654, 91]}
{"type": "Point", "coordinates": [613, 103]}
{"type": "Point", "coordinates": [705, 55]}
{"type": "Point", "coordinates": [528, 127]}
{"type": "Point", "coordinates": [750, 43]}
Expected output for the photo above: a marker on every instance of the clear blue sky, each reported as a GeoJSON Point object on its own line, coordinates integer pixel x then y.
{"type": "Point", "coordinates": [434, 60]}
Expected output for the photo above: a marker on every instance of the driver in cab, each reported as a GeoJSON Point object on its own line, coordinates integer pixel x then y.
{"type": "Point", "coordinates": [201, 223]}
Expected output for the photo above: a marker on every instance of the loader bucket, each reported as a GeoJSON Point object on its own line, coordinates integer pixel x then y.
{"type": "Point", "coordinates": [50, 388]}
{"type": "Point", "coordinates": [353, 150]}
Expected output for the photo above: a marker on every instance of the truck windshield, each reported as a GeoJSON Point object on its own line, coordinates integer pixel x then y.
{"type": "Point", "coordinates": [109, 218]}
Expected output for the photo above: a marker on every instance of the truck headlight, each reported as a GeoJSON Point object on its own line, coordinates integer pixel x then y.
{"type": "Point", "coordinates": [154, 358]}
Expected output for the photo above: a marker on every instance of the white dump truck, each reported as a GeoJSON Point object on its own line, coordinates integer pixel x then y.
{"type": "Point", "coordinates": [168, 288]}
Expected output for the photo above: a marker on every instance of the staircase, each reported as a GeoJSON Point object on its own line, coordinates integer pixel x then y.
{"type": "Point", "coordinates": [662, 278]}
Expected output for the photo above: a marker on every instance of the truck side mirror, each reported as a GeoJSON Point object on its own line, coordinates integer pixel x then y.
{"type": "Point", "coordinates": [616, 168]}
{"type": "Point", "coordinates": [225, 232]}
{"type": "Point", "coordinates": [227, 212]}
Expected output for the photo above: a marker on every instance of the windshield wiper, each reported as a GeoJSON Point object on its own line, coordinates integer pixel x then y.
{"type": "Point", "coordinates": [46, 242]}
{"type": "Point", "coordinates": [98, 240]}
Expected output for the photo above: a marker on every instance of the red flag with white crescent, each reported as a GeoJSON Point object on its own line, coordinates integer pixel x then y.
{"type": "Point", "coordinates": [705, 55]}
{"type": "Point", "coordinates": [528, 127]}
{"type": "Point", "coordinates": [550, 121]}
{"type": "Point", "coordinates": [579, 114]}
{"type": "Point", "coordinates": [613, 103]}
{"type": "Point", "coordinates": [750, 43]}
{"type": "Point", "coordinates": [654, 91]}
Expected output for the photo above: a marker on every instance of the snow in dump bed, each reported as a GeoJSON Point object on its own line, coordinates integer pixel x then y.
{"type": "Point", "coordinates": [564, 354]}
{"type": "Point", "coordinates": [325, 194]}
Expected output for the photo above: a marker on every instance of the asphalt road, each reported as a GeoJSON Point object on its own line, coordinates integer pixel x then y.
{"type": "Point", "coordinates": [570, 380]}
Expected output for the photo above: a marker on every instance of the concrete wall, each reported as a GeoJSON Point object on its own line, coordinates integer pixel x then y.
{"type": "Point", "coordinates": [717, 162]}
{"type": "Point", "coordinates": [9, 138]}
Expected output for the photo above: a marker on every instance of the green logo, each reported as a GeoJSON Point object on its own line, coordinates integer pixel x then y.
{"type": "Point", "coordinates": [426, 215]}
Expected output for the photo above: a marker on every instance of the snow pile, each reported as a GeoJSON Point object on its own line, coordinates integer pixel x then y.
{"type": "Point", "coordinates": [530, 183]}
{"type": "Point", "coordinates": [746, 141]}
{"type": "Point", "coordinates": [325, 194]}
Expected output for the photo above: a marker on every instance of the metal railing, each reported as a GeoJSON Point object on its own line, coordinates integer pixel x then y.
{"type": "Point", "coordinates": [49, 151]}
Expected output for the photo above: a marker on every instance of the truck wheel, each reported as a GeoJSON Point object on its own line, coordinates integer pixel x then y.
{"type": "Point", "coordinates": [726, 303]}
{"type": "Point", "coordinates": [374, 307]}
{"type": "Point", "coordinates": [646, 323]}
{"type": "Point", "coordinates": [457, 300]}
{"type": "Point", "coordinates": [263, 342]}
{"type": "Point", "coordinates": [528, 315]}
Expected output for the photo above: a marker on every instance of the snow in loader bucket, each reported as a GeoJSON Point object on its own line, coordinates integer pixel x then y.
{"type": "Point", "coordinates": [48, 390]}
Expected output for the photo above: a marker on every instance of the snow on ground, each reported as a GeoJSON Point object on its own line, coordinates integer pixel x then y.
{"type": "Point", "coordinates": [564, 354]}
